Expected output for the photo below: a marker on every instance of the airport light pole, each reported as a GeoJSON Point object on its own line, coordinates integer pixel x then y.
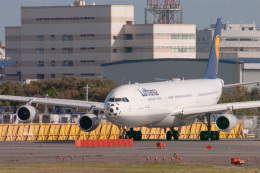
{"type": "Point", "coordinates": [87, 87]}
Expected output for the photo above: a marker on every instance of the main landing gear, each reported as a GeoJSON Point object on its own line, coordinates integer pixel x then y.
{"type": "Point", "coordinates": [129, 134]}
{"type": "Point", "coordinates": [171, 134]}
{"type": "Point", "coordinates": [206, 135]}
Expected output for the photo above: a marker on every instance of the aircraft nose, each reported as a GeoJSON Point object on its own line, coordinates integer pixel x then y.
{"type": "Point", "coordinates": [113, 109]}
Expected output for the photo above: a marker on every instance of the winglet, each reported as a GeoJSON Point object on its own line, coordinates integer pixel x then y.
{"type": "Point", "coordinates": [212, 68]}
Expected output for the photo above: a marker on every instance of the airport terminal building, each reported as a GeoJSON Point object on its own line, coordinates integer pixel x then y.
{"type": "Point", "coordinates": [54, 41]}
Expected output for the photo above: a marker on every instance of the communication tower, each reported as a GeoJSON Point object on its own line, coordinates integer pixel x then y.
{"type": "Point", "coordinates": [164, 11]}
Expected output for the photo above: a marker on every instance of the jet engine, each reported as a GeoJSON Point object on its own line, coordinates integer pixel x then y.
{"type": "Point", "coordinates": [226, 122]}
{"type": "Point", "coordinates": [26, 113]}
{"type": "Point", "coordinates": [88, 122]}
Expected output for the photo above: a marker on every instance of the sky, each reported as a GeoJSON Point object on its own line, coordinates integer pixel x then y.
{"type": "Point", "coordinates": [199, 12]}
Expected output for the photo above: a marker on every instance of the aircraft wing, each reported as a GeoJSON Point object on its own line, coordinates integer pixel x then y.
{"type": "Point", "coordinates": [56, 102]}
{"type": "Point", "coordinates": [218, 108]}
{"type": "Point", "coordinates": [240, 84]}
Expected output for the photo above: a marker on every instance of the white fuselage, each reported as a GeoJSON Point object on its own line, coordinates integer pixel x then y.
{"type": "Point", "coordinates": [154, 104]}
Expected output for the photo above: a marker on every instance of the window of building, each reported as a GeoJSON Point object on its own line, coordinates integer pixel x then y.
{"type": "Point", "coordinates": [52, 37]}
{"type": "Point", "coordinates": [245, 39]}
{"type": "Point", "coordinates": [87, 48]}
{"type": "Point", "coordinates": [52, 75]}
{"type": "Point", "coordinates": [67, 37]}
{"type": "Point", "coordinates": [182, 49]}
{"type": "Point", "coordinates": [87, 35]}
{"type": "Point", "coordinates": [67, 63]}
{"type": "Point", "coordinates": [39, 51]}
{"type": "Point", "coordinates": [129, 22]}
{"type": "Point", "coordinates": [67, 50]}
{"type": "Point", "coordinates": [40, 76]}
{"type": "Point", "coordinates": [181, 36]}
{"type": "Point", "coordinates": [11, 74]}
{"type": "Point", "coordinates": [87, 74]}
{"type": "Point", "coordinates": [52, 50]}
{"type": "Point", "coordinates": [114, 37]}
{"type": "Point", "coordinates": [53, 63]}
{"type": "Point", "coordinates": [86, 61]}
{"type": "Point", "coordinates": [40, 63]}
{"type": "Point", "coordinates": [39, 37]}
{"type": "Point", "coordinates": [129, 49]}
{"type": "Point", "coordinates": [67, 74]}
{"type": "Point", "coordinates": [114, 50]}
{"type": "Point", "coordinates": [66, 18]}
{"type": "Point", "coordinates": [129, 36]}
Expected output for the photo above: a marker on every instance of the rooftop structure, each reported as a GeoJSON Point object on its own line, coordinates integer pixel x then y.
{"type": "Point", "coordinates": [164, 11]}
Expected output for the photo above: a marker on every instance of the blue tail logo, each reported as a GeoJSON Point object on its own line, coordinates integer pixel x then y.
{"type": "Point", "coordinates": [212, 68]}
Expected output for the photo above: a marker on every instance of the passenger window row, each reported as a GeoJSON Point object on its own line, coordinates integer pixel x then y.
{"type": "Point", "coordinates": [124, 99]}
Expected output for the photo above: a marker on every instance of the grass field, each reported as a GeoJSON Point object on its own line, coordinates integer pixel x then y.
{"type": "Point", "coordinates": [68, 168]}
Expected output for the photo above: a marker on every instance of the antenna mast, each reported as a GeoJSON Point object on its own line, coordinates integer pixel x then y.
{"type": "Point", "coordinates": [164, 11]}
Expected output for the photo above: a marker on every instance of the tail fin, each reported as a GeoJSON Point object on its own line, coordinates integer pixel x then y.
{"type": "Point", "coordinates": [212, 68]}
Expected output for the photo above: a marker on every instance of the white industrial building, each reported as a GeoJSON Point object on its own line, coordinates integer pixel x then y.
{"type": "Point", "coordinates": [237, 41]}
{"type": "Point", "coordinates": [54, 41]}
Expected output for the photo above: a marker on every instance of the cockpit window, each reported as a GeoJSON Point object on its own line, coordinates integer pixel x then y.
{"type": "Point", "coordinates": [118, 99]}
{"type": "Point", "coordinates": [124, 99]}
{"type": "Point", "coordinates": [112, 99]}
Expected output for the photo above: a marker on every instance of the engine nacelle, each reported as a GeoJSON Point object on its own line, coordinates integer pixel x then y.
{"type": "Point", "coordinates": [88, 122]}
{"type": "Point", "coordinates": [226, 122]}
{"type": "Point", "coordinates": [26, 113]}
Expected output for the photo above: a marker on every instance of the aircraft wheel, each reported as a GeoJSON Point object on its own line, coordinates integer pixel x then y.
{"type": "Point", "coordinates": [214, 135]}
{"type": "Point", "coordinates": [139, 135]}
{"type": "Point", "coordinates": [217, 135]}
{"type": "Point", "coordinates": [135, 137]}
{"type": "Point", "coordinates": [204, 136]}
{"type": "Point", "coordinates": [175, 135]}
{"type": "Point", "coordinates": [169, 136]}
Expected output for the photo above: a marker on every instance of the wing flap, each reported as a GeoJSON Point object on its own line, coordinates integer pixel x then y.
{"type": "Point", "coordinates": [56, 102]}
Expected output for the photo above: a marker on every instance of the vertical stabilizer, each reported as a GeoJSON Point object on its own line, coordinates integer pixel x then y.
{"type": "Point", "coordinates": [212, 68]}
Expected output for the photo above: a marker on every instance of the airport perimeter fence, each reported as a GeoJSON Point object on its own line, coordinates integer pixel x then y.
{"type": "Point", "coordinates": [71, 131]}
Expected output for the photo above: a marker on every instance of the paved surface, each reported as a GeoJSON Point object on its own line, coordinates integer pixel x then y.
{"type": "Point", "coordinates": [191, 151]}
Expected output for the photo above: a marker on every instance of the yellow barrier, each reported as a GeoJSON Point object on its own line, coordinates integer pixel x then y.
{"type": "Point", "coordinates": [71, 131]}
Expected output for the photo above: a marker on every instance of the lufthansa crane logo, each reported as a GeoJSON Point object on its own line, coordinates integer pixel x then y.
{"type": "Point", "coordinates": [217, 43]}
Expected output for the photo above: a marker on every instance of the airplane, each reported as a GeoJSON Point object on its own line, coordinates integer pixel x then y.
{"type": "Point", "coordinates": [165, 104]}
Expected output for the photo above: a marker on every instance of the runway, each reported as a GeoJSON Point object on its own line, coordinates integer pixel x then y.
{"type": "Point", "coordinates": [191, 152]}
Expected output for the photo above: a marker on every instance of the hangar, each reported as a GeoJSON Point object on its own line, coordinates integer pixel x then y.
{"type": "Point", "coordinates": [132, 71]}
